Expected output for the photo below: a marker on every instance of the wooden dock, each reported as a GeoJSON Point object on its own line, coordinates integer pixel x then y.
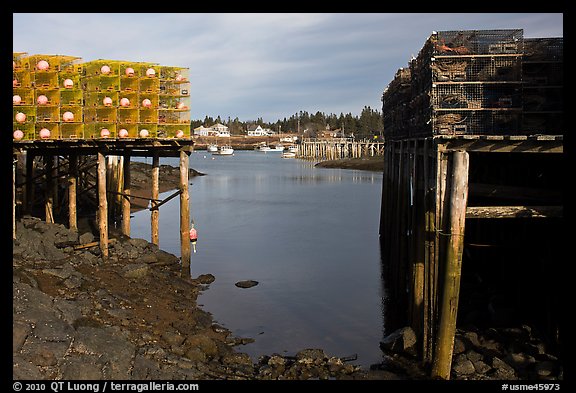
{"type": "Point", "coordinates": [334, 149]}
{"type": "Point", "coordinates": [112, 182]}
{"type": "Point", "coordinates": [436, 192]}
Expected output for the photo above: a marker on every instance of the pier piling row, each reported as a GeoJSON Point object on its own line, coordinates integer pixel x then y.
{"type": "Point", "coordinates": [431, 189]}
{"type": "Point", "coordinates": [112, 186]}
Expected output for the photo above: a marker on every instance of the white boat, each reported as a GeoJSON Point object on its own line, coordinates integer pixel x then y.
{"type": "Point", "coordinates": [293, 149]}
{"type": "Point", "coordinates": [212, 148]}
{"type": "Point", "coordinates": [263, 148]}
{"type": "Point", "coordinates": [224, 150]}
{"type": "Point", "coordinates": [288, 154]}
{"type": "Point", "coordinates": [277, 147]}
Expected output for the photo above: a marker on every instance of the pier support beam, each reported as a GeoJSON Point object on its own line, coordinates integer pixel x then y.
{"type": "Point", "coordinates": [155, 213]}
{"type": "Point", "coordinates": [14, 198]}
{"type": "Point", "coordinates": [184, 216]}
{"type": "Point", "coordinates": [48, 192]}
{"type": "Point", "coordinates": [102, 205]}
{"type": "Point", "coordinates": [29, 194]}
{"type": "Point", "coordinates": [72, 183]}
{"type": "Point", "coordinates": [126, 197]}
{"type": "Point", "coordinates": [452, 265]}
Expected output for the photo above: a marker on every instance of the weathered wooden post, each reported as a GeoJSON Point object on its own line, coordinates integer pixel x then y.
{"type": "Point", "coordinates": [49, 196]}
{"type": "Point", "coordinates": [184, 215]}
{"type": "Point", "coordinates": [72, 182]}
{"type": "Point", "coordinates": [102, 205]}
{"type": "Point", "coordinates": [126, 196]}
{"type": "Point", "coordinates": [29, 182]}
{"type": "Point", "coordinates": [155, 213]}
{"type": "Point", "coordinates": [458, 198]}
{"type": "Point", "coordinates": [14, 198]}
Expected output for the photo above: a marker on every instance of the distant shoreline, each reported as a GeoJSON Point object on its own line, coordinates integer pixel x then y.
{"type": "Point", "coordinates": [366, 164]}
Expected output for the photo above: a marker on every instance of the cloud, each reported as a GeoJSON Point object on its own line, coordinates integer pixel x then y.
{"type": "Point", "coordinates": [265, 65]}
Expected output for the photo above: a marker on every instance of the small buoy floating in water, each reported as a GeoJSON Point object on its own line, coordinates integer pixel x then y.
{"type": "Point", "coordinates": [193, 237]}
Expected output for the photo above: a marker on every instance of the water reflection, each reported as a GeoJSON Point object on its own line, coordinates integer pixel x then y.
{"type": "Point", "coordinates": [308, 235]}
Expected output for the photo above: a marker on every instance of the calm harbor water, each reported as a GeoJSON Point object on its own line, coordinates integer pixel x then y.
{"type": "Point", "coordinates": [308, 235]}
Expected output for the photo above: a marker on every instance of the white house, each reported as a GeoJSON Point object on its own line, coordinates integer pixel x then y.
{"type": "Point", "coordinates": [215, 130]}
{"type": "Point", "coordinates": [259, 131]}
{"type": "Point", "coordinates": [220, 130]}
{"type": "Point", "coordinates": [202, 131]}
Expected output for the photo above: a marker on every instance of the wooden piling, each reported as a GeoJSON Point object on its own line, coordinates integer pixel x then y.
{"type": "Point", "coordinates": [155, 213]}
{"type": "Point", "coordinates": [452, 265]}
{"type": "Point", "coordinates": [29, 194]}
{"type": "Point", "coordinates": [48, 191]}
{"type": "Point", "coordinates": [184, 216]}
{"type": "Point", "coordinates": [14, 199]}
{"type": "Point", "coordinates": [126, 197]}
{"type": "Point", "coordinates": [102, 205]}
{"type": "Point", "coordinates": [72, 183]}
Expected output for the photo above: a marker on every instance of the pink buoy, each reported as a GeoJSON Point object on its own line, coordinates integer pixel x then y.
{"type": "Point", "coordinates": [123, 133]}
{"type": "Point", "coordinates": [146, 103]}
{"type": "Point", "coordinates": [42, 100]}
{"type": "Point", "coordinates": [16, 100]}
{"type": "Point", "coordinates": [18, 135]}
{"type": "Point", "coordinates": [179, 134]}
{"type": "Point", "coordinates": [125, 102]}
{"type": "Point", "coordinates": [129, 71]}
{"type": "Point", "coordinates": [150, 72]}
{"type": "Point", "coordinates": [179, 77]}
{"type": "Point", "coordinates": [20, 117]}
{"type": "Point", "coordinates": [193, 235]}
{"type": "Point", "coordinates": [15, 83]}
{"type": "Point", "coordinates": [105, 133]}
{"type": "Point", "coordinates": [68, 83]}
{"type": "Point", "coordinates": [42, 65]}
{"type": "Point", "coordinates": [144, 133]}
{"type": "Point", "coordinates": [105, 70]}
{"type": "Point", "coordinates": [107, 101]}
{"type": "Point", "coordinates": [181, 106]}
{"type": "Point", "coordinates": [68, 116]}
{"type": "Point", "coordinates": [44, 133]}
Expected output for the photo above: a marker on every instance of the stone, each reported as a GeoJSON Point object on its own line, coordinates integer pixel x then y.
{"type": "Point", "coordinates": [204, 343]}
{"type": "Point", "coordinates": [20, 330]}
{"type": "Point", "coordinates": [519, 360]}
{"type": "Point", "coordinates": [173, 338]}
{"type": "Point", "coordinates": [402, 340]}
{"type": "Point", "coordinates": [111, 346]}
{"type": "Point", "coordinates": [544, 369]}
{"type": "Point", "coordinates": [86, 238]}
{"type": "Point", "coordinates": [499, 364]}
{"type": "Point", "coordinates": [481, 367]}
{"type": "Point", "coordinates": [195, 355]}
{"type": "Point", "coordinates": [22, 369]}
{"type": "Point", "coordinates": [83, 367]}
{"type": "Point", "coordinates": [459, 345]}
{"type": "Point", "coordinates": [53, 330]}
{"type": "Point", "coordinates": [246, 284]}
{"type": "Point", "coordinates": [165, 258]}
{"type": "Point", "coordinates": [148, 258]}
{"type": "Point", "coordinates": [136, 271]}
{"type": "Point", "coordinates": [138, 243]}
{"type": "Point", "coordinates": [70, 309]}
{"type": "Point", "coordinates": [464, 367]}
{"type": "Point", "coordinates": [474, 356]}
{"type": "Point", "coordinates": [472, 338]}
{"type": "Point", "coordinates": [206, 278]}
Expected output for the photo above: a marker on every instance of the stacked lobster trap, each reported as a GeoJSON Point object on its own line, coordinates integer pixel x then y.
{"type": "Point", "coordinates": [465, 82]}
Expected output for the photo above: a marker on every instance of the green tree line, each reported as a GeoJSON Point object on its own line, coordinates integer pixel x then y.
{"type": "Point", "coordinates": [368, 124]}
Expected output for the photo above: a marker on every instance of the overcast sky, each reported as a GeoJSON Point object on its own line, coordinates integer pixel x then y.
{"type": "Point", "coordinates": [265, 65]}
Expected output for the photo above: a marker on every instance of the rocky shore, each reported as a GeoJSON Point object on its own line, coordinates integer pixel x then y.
{"type": "Point", "coordinates": [76, 316]}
